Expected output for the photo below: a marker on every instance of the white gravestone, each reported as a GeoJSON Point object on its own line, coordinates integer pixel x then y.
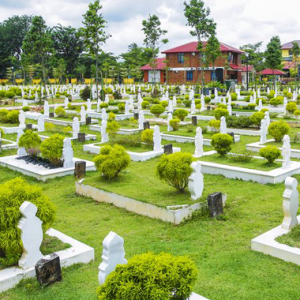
{"type": "Point", "coordinates": [31, 236]}
{"type": "Point", "coordinates": [106, 99]}
{"type": "Point", "coordinates": [55, 107]}
{"type": "Point", "coordinates": [141, 120]}
{"type": "Point", "coordinates": [170, 108]}
{"type": "Point", "coordinates": [196, 182]}
{"type": "Point", "coordinates": [229, 108]}
{"type": "Point", "coordinates": [24, 103]}
{"type": "Point", "coordinates": [170, 117]}
{"type": "Point", "coordinates": [127, 107]}
{"type": "Point", "coordinates": [98, 105]}
{"type": "Point", "coordinates": [193, 107]}
{"type": "Point", "coordinates": [82, 114]}
{"type": "Point", "coordinates": [21, 150]}
{"type": "Point", "coordinates": [157, 139]}
{"type": "Point", "coordinates": [199, 143]}
{"type": "Point", "coordinates": [89, 105]}
{"type": "Point", "coordinates": [68, 153]}
{"type": "Point", "coordinates": [263, 131]}
{"type": "Point", "coordinates": [104, 116]}
{"type": "Point", "coordinates": [174, 101]}
{"type": "Point", "coordinates": [290, 204]}
{"type": "Point", "coordinates": [41, 123]}
{"type": "Point", "coordinates": [202, 103]}
{"type": "Point", "coordinates": [46, 109]}
{"type": "Point", "coordinates": [286, 152]}
{"type": "Point", "coordinates": [66, 102]}
{"type": "Point", "coordinates": [22, 119]}
{"type": "Point", "coordinates": [113, 254]}
{"type": "Point", "coordinates": [267, 118]}
{"type": "Point", "coordinates": [75, 127]}
{"type": "Point", "coordinates": [104, 135]}
{"type": "Point", "coordinates": [223, 126]}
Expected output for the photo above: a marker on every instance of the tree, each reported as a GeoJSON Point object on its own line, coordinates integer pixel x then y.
{"type": "Point", "coordinates": [212, 52]}
{"type": "Point", "coordinates": [94, 35]}
{"type": "Point", "coordinates": [60, 70]}
{"type": "Point", "coordinates": [202, 27]}
{"type": "Point", "coordinates": [38, 43]}
{"type": "Point", "coordinates": [255, 57]}
{"type": "Point", "coordinates": [273, 55]}
{"type": "Point", "coordinates": [296, 54]}
{"type": "Point", "coordinates": [153, 38]}
{"type": "Point", "coordinates": [81, 69]}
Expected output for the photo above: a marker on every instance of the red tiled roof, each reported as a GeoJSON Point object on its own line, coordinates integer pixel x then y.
{"type": "Point", "coordinates": [289, 45]}
{"type": "Point", "coordinates": [235, 67]}
{"type": "Point", "coordinates": [289, 65]}
{"type": "Point", "coordinates": [244, 68]}
{"type": "Point", "coordinates": [271, 72]}
{"type": "Point", "coordinates": [160, 65]}
{"type": "Point", "coordinates": [192, 47]}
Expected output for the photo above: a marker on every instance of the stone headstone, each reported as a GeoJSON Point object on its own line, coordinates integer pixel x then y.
{"type": "Point", "coordinates": [136, 116]}
{"type": "Point", "coordinates": [81, 137]}
{"type": "Point", "coordinates": [199, 142]}
{"type": "Point", "coordinates": [146, 125]}
{"type": "Point", "coordinates": [194, 120]}
{"type": "Point", "coordinates": [113, 254]}
{"type": "Point", "coordinates": [196, 182]}
{"type": "Point", "coordinates": [82, 114]}
{"type": "Point", "coordinates": [263, 131]}
{"type": "Point", "coordinates": [168, 149]}
{"type": "Point", "coordinates": [68, 153]}
{"type": "Point", "coordinates": [48, 270]}
{"type": "Point", "coordinates": [80, 169]}
{"type": "Point", "coordinates": [157, 139]}
{"type": "Point", "coordinates": [232, 135]}
{"type": "Point", "coordinates": [31, 235]}
{"type": "Point", "coordinates": [41, 123]}
{"type": "Point", "coordinates": [223, 125]}
{"type": "Point", "coordinates": [22, 119]}
{"type": "Point", "coordinates": [215, 204]}
{"type": "Point", "coordinates": [75, 127]}
{"type": "Point", "coordinates": [88, 121]}
{"type": "Point", "coordinates": [286, 152]}
{"type": "Point", "coordinates": [28, 126]}
{"type": "Point", "coordinates": [290, 203]}
{"type": "Point", "coordinates": [104, 135]}
{"type": "Point", "coordinates": [208, 107]}
{"type": "Point", "coordinates": [51, 115]}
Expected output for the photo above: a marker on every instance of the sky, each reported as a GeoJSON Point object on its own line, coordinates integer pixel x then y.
{"type": "Point", "coordinates": [239, 22]}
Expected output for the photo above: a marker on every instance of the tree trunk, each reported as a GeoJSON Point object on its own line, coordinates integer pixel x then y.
{"type": "Point", "coordinates": [96, 74]}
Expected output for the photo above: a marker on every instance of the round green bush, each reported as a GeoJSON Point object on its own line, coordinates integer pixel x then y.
{"type": "Point", "coordinates": [26, 108]}
{"type": "Point", "coordinates": [112, 128]}
{"type": "Point", "coordinates": [256, 118]}
{"type": "Point", "coordinates": [157, 110]}
{"type": "Point", "coordinates": [181, 114]}
{"type": "Point", "coordinates": [60, 112]}
{"type": "Point", "coordinates": [121, 107]}
{"type": "Point", "coordinates": [3, 115]}
{"type": "Point", "coordinates": [175, 169]}
{"type": "Point", "coordinates": [222, 143]}
{"type": "Point", "coordinates": [276, 101]}
{"type": "Point", "coordinates": [207, 99]}
{"type": "Point", "coordinates": [147, 136]}
{"type": "Point", "coordinates": [270, 153]}
{"type": "Point", "coordinates": [52, 149]}
{"type": "Point", "coordinates": [152, 277]}
{"type": "Point", "coordinates": [221, 112]}
{"type": "Point", "coordinates": [215, 124]}
{"type": "Point", "coordinates": [13, 117]}
{"type": "Point", "coordinates": [222, 105]}
{"type": "Point", "coordinates": [2, 93]}
{"type": "Point", "coordinates": [145, 104]}
{"type": "Point", "coordinates": [10, 95]}
{"type": "Point", "coordinates": [85, 93]}
{"type": "Point", "coordinates": [187, 103]}
{"type": "Point", "coordinates": [291, 107]}
{"type": "Point", "coordinates": [164, 103]}
{"type": "Point", "coordinates": [31, 142]}
{"type": "Point", "coordinates": [175, 124]}
{"type": "Point", "coordinates": [111, 161]}
{"type": "Point", "coordinates": [251, 106]}
{"type": "Point", "coordinates": [233, 96]}
{"type": "Point", "coordinates": [297, 113]}
{"type": "Point", "coordinates": [278, 130]}
{"type": "Point", "coordinates": [212, 96]}
{"type": "Point", "coordinates": [103, 105]}
{"type": "Point", "coordinates": [12, 195]}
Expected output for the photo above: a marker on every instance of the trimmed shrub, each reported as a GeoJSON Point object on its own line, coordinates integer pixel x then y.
{"type": "Point", "coordinates": [26, 108]}
{"type": "Point", "coordinates": [181, 114]}
{"type": "Point", "coordinates": [251, 106]}
{"type": "Point", "coordinates": [13, 117]}
{"type": "Point", "coordinates": [12, 195]}
{"type": "Point", "coordinates": [222, 105]}
{"type": "Point", "coordinates": [145, 104]}
{"type": "Point", "coordinates": [278, 130]}
{"type": "Point", "coordinates": [2, 93]}
{"type": "Point", "coordinates": [111, 161]}
{"type": "Point", "coordinates": [276, 101]}
{"type": "Point", "coordinates": [60, 112]}
{"type": "Point", "coordinates": [187, 103]}
{"type": "Point", "coordinates": [175, 124]}
{"type": "Point", "coordinates": [3, 115]}
{"type": "Point", "coordinates": [221, 112]}
{"type": "Point", "coordinates": [10, 95]}
{"type": "Point", "coordinates": [175, 169]}
{"type": "Point", "coordinates": [233, 96]}
{"type": "Point", "coordinates": [222, 143]}
{"type": "Point", "coordinates": [215, 124]}
{"type": "Point", "coordinates": [50, 127]}
{"type": "Point", "coordinates": [238, 122]}
{"type": "Point", "coordinates": [67, 129]}
{"type": "Point", "coordinates": [111, 117]}
{"type": "Point", "coordinates": [164, 103]}
{"type": "Point", "coordinates": [157, 110]}
{"type": "Point", "coordinates": [150, 276]}
{"type": "Point", "coordinates": [270, 153]}
{"type": "Point", "coordinates": [147, 136]}
{"type": "Point", "coordinates": [297, 113]}
{"type": "Point", "coordinates": [207, 99]}
{"type": "Point", "coordinates": [256, 118]}
{"type": "Point", "coordinates": [103, 105]}
{"type": "Point", "coordinates": [121, 107]}
{"type": "Point", "coordinates": [117, 95]}
{"type": "Point", "coordinates": [112, 128]}
{"type": "Point", "coordinates": [31, 142]}
{"type": "Point", "coordinates": [291, 107]}
{"type": "Point", "coordinates": [85, 93]}
{"type": "Point", "coordinates": [52, 149]}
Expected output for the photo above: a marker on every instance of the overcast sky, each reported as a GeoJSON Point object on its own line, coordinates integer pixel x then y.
{"type": "Point", "coordinates": [239, 22]}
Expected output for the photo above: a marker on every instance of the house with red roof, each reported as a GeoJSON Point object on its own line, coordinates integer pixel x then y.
{"type": "Point", "coordinates": [156, 72]}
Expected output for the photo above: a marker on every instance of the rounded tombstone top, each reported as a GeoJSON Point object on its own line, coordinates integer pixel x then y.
{"type": "Point", "coordinates": [112, 239]}
{"type": "Point", "coordinates": [199, 130]}
{"type": "Point", "coordinates": [286, 139]}
{"type": "Point", "coordinates": [196, 166]}
{"type": "Point", "coordinates": [28, 209]}
{"type": "Point", "coordinates": [291, 183]}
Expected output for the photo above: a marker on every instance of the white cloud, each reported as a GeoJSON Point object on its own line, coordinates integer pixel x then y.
{"type": "Point", "coordinates": [239, 22]}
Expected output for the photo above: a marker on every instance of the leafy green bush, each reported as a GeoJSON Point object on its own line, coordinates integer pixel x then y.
{"type": "Point", "coordinates": [3, 115]}
{"type": "Point", "coordinates": [145, 104]}
{"type": "Point", "coordinates": [31, 142]}
{"type": "Point", "coordinates": [175, 124]}
{"type": "Point", "coordinates": [121, 107]}
{"type": "Point", "coordinates": [276, 101]}
{"type": "Point", "coordinates": [85, 93]}
{"type": "Point", "coordinates": [13, 117]}
{"type": "Point", "coordinates": [242, 156]}
{"type": "Point", "coordinates": [215, 124]}
{"type": "Point", "coordinates": [256, 118]}
{"type": "Point", "coordinates": [291, 107]}
{"type": "Point", "coordinates": [187, 103]}
{"type": "Point", "coordinates": [147, 136]}
{"type": "Point", "coordinates": [111, 117]}
{"type": "Point", "coordinates": [52, 149]}
{"type": "Point", "coordinates": [270, 153]}
{"type": "Point", "coordinates": [2, 93]}
{"type": "Point", "coordinates": [60, 112]}
{"type": "Point", "coordinates": [251, 106]}
{"type": "Point", "coordinates": [221, 112]}
{"type": "Point", "coordinates": [233, 96]}
{"type": "Point", "coordinates": [278, 130]}
{"type": "Point", "coordinates": [10, 95]}
{"type": "Point", "coordinates": [111, 161]}
{"type": "Point", "coordinates": [164, 103]}
{"type": "Point", "coordinates": [207, 99]}
{"type": "Point", "coordinates": [297, 112]}
{"type": "Point", "coordinates": [117, 95]}
{"type": "Point", "coordinates": [181, 114]}
{"type": "Point", "coordinates": [112, 128]}
{"type": "Point", "coordinates": [12, 195]}
{"type": "Point", "coordinates": [222, 143]}
{"type": "Point", "coordinates": [50, 127]}
{"type": "Point", "coordinates": [152, 277]}
{"type": "Point", "coordinates": [222, 105]}
{"type": "Point", "coordinates": [175, 169]}
{"type": "Point", "coordinates": [238, 122]}
{"type": "Point", "coordinates": [26, 108]}
{"type": "Point", "coordinates": [157, 110]}
{"type": "Point", "coordinates": [103, 105]}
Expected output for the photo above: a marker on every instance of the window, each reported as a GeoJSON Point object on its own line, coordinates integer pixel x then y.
{"type": "Point", "coordinates": [189, 76]}
{"type": "Point", "coordinates": [180, 58]}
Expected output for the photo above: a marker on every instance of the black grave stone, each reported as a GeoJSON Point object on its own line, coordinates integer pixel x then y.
{"type": "Point", "coordinates": [208, 107]}
{"type": "Point", "coordinates": [80, 168]}
{"type": "Point", "coordinates": [146, 125]}
{"type": "Point", "coordinates": [81, 137]}
{"type": "Point", "coordinates": [194, 120]}
{"type": "Point", "coordinates": [48, 270]}
{"type": "Point", "coordinates": [215, 204]}
{"type": "Point", "coordinates": [136, 116]}
{"type": "Point", "coordinates": [28, 126]}
{"type": "Point", "coordinates": [88, 121]}
{"type": "Point", "coordinates": [231, 134]}
{"type": "Point", "coordinates": [51, 115]}
{"type": "Point", "coordinates": [168, 149]}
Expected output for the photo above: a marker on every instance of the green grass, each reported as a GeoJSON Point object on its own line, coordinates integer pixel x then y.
{"type": "Point", "coordinates": [257, 164]}
{"type": "Point", "coordinates": [291, 239]}
{"type": "Point", "coordinates": [279, 144]}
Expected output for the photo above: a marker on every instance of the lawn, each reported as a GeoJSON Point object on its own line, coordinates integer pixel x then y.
{"type": "Point", "coordinates": [291, 239]}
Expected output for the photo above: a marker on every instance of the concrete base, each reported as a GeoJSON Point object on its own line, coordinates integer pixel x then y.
{"type": "Point", "coordinates": [11, 130]}
{"type": "Point", "coordinates": [197, 297]}
{"type": "Point", "coordinates": [78, 253]}
{"type": "Point", "coordinates": [32, 115]}
{"type": "Point", "coordinates": [39, 172]}
{"type": "Point", "coordinates": [250, 132]}
{"type": "Point", "coordinates": [267, 244]}
{"type": "Point", "coordinates": [88, 137]}
{"type": "Point", "coordinates": [11, 145]}
{"type": "Point", "coordinates": [98, 115]}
